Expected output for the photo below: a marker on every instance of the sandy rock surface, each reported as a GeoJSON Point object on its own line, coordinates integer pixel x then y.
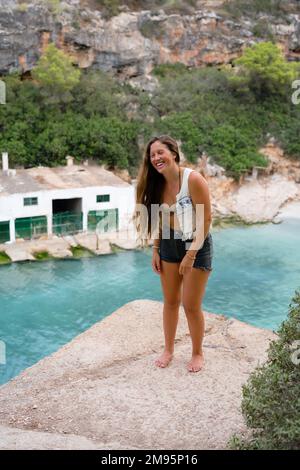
{"type": "Point", "coordinates": [259, 201]}
{"type": "Point", "coordinates": [102, 389]}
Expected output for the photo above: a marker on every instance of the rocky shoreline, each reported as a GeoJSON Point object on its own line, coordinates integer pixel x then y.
{"type": "Point", "coordinates": [66, 247]}
{"type": "Point", "coordinates": [255, 201]}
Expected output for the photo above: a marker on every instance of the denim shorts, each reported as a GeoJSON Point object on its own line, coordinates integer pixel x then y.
{"type": "Point", "coordinates": [174, 249]}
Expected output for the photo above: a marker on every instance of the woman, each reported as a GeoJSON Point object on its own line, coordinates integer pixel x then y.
{"type": "Point", "coordinates": [183, 247]}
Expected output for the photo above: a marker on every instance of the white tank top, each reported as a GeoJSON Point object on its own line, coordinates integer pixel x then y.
{"type": "Point", "coordinates": [185, 211]}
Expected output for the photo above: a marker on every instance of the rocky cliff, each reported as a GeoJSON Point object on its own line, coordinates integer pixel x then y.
{"type": "Point", "coordinates": [131, 43]}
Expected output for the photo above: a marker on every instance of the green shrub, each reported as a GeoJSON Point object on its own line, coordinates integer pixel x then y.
{"type": "Point", "coordinates": [79, 251]}
{"type": "Point", "coordinates": [289, 134]}
{"type": "Point", "coordinates": [98, 93]}
{"type": "Point", "coordinates": [183, 7]}
{"type": "Point", "coordinates": [54, 6]}
{"type": "Point", "coordinates": [55, 72]}
{"type": "Point", "coordinates": [109, 7]}
{"type": "Point", "coordinates": [231, 221]}
{"type": "Point", "coordinates": [262, 29]}
{"type": "Point", "coordinates": [41, 255]}
{"type": "Point", "coordinates": [113, 7]}
{"type": "Point", "coordinates": [169, 70]}
{"type": "Point", "coordinates": [267, 70]}
{"type": "Point", "coordinates": [234, 148]}
{"type": "Point", "coordinates": [271, 401]}
{"type": "Point", "coordinates": [4, 258]}
{"type": "Point", "coordinates": [254, 8]}
{"type": "Point", "coordinates": [22, 7]}
{"type": "Point", "coordinates": [152, 29]}
{"type": "Point", "coordinates": [76, 25]}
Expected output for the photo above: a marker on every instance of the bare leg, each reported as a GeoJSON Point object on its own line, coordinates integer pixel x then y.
{"type": "Point", "coordinates": [171, 286]}
{"type": "Point", "coordinates": [194, 285]}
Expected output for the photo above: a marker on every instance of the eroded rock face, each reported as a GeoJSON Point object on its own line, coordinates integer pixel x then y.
{"type": "Point", "coordinates": [130, 44]}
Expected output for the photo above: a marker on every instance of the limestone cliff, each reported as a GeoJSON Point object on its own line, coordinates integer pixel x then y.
{"type": "Point", "coordinates": [131, 43]}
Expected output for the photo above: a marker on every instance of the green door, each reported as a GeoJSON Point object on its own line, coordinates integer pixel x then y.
{"type": "Point", "coordinates": [30, 227]}
{"type": "Point", "coordinates": [4, 232]}
{"type": "Point", "coordinates": [66, 223]}
{"type": "Point", "coordinates": [104, 220]}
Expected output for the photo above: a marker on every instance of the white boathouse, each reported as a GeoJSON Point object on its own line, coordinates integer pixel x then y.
{"type": "Point", "coordinates": [64, 200]}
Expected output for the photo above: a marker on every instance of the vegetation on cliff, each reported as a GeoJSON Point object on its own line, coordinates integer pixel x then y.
{"type": "Point", "coordinates": [271, 404]}
{"type": "Point", "coordinates": [55, 73]}
{"type": "Point", "coordinates": [255, 8]}
{"type": "Point", "coordinates": [226, 112]}
{"type": "Point", "coordinates": [234, 8]}
{"type": "Point", "coordinates": [113, 7]}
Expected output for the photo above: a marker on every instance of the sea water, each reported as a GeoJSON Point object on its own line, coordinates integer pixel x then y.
{"type": "Point", "coordinates": [43, 305]}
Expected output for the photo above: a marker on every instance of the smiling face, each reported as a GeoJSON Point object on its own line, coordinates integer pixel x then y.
{"type": "Point", "coordinates": [160, 156]}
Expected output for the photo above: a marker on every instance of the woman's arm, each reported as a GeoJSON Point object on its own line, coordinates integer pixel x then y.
{"type": "Point", "coordinates": [199, 192]}
{"type": "Point", "coordinates": [155, 254]}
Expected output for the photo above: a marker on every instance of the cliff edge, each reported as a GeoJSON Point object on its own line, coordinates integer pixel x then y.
{"type": "Point", "coordinates": [103, 391]}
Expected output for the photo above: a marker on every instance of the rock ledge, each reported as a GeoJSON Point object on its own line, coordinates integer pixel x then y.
{"type": "Point", "coordinates": [103, 391]}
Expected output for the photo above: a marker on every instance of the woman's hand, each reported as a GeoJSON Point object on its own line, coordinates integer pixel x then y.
{"type": "Point", "coordinates": [156, 261]}
{"type": "Point", "coordinates": [186, 265]}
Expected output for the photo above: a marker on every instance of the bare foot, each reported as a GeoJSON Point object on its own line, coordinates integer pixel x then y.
{"type": "Point", "coordinates": [196, 363]}
{"type": "Point", "coordinates": [164, 359]}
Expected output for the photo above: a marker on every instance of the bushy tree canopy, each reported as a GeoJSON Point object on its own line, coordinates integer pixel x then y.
{"type": "Point", "coordinates": [55, 71]}
{"type": "Point", "coordinates": [266, 69]}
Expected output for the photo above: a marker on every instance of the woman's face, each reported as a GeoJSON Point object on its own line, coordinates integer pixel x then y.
{"type": "Point", "coordinates": [160, 156]}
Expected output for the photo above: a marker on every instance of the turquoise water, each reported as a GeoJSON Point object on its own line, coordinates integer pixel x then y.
{"type": "Point", "coordinates": [45, 305]}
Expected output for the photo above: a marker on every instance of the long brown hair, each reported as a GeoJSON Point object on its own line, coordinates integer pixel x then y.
{"type": "Point", "coordinates": [150, 185]}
